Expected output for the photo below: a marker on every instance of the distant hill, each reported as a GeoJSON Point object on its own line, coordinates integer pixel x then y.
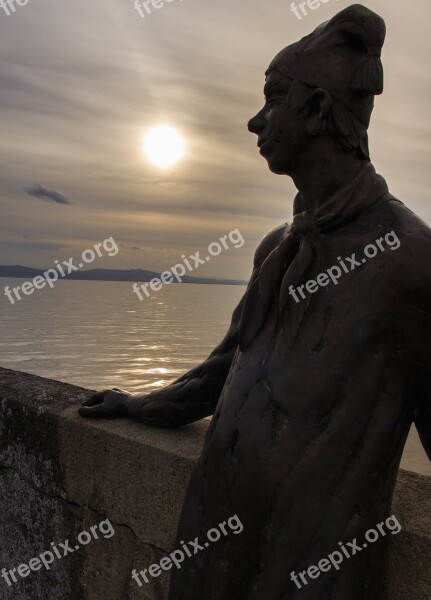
{"type": "Point", "coordinates": [135, 275]}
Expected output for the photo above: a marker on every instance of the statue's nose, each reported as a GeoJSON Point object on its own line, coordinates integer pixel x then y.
{"type": "Point", "coordinates": [256, 123]}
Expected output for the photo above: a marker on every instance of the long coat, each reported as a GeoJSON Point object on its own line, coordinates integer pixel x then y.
{"type": "Point", "coordinates": [308, 433]}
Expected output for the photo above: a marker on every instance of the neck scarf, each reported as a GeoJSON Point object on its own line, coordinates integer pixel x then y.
{"type": "Point", "coordinates": [287, 264]}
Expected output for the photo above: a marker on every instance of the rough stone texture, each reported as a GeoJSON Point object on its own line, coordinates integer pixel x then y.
{"type": "Point", "coordinates": [409, 556]}
{"type": "Point", "coordinates": [60, 475]}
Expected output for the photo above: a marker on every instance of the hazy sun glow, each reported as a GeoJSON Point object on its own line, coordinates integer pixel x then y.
{"type": "Point", "coordinates": [163, 146]}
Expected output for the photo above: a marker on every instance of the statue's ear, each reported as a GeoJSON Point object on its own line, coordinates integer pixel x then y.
{"type": "Point", "coordinates": [319, 104]}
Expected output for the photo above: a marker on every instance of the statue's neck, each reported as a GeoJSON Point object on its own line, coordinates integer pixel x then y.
{"type": "Point", "coordinates": [322, 175]}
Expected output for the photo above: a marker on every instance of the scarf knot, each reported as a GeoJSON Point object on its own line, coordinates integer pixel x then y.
{"type": "Point", "coordinates": [304, 223]}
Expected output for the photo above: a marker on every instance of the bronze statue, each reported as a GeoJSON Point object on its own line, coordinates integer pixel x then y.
{"type": "Point", "coordinates": [327, 360]}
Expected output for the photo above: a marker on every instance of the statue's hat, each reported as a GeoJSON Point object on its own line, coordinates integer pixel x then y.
{"type": "Point", "coordinates": [342, 56]}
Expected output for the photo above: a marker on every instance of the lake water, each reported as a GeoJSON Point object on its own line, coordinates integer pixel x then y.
{"type": "Point", "coordinates": [98, 334]}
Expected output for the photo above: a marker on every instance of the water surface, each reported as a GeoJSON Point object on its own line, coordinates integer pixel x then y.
{"type": "Point", "coordinates": [97, 334]}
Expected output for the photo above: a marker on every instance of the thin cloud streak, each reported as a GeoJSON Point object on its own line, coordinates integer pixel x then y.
{"type": "Point", "coordinates": [37, 191]}
{"type": "Point", "coordinates": [81, 82]}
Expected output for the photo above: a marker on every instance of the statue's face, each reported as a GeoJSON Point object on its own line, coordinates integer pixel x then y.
{"type": "Point", "coordinates": [282, 136]}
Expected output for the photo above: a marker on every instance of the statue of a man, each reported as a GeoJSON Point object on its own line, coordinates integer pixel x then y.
{"type": "Point", "coordinates": [327, 360]}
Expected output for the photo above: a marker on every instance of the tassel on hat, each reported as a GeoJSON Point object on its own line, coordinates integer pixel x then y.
{"type": "Point", "coordinates": [369, 76]}
{"type": "Point", "coordinates": [342, 56]}
{"type": "Point", "coordinates": [367, 28]}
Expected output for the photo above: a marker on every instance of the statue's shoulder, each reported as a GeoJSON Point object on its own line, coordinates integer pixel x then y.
{"type": "Point", "coordinates": [412, 260]}
{"type": "Point", "coordinates": [269, 243]}
{"type": "Point", "coordinates": [413, 230]}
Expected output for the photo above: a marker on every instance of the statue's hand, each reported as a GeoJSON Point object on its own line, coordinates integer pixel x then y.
{"type": "Point", "coordinates": [116, 403]}
{"type": "Point", "coordinates": [108, 404]}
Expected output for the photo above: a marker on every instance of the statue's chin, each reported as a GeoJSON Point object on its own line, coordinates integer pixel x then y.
{"type": "Point", "coordinates": [277, 167]}
{"type": "Point", "coordinates": [277, 163]}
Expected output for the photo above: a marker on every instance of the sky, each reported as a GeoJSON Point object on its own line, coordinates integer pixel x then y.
{"type": "Point", "coordinates": [81, 82]}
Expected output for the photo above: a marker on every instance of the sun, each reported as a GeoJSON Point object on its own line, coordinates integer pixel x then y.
{"type": "Point", "coordinates": [163, 146]}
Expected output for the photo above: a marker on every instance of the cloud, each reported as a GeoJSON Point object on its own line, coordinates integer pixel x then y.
{"type": "Point", "coordinates": [37, 191]}
{"type": "Point", "coordinates": [38, 246]}
{"type": "Point", "coordinates": [134, 248]}
{"type": "Point", "coordinates": [82, 126]}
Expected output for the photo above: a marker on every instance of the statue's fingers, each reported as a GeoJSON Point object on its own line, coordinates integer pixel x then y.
{"type": "Point", "coordinates": [121, 391]}
{"type": "Point", "coordinates": [96, 398]}
{"type": "Point", "coordinates": [95, 412]}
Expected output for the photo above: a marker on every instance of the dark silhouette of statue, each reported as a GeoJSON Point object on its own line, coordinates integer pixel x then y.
{"type": "Point", "coordinates": [327, 360]}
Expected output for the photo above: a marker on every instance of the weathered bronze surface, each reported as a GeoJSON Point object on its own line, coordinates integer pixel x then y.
{"type": "Point", "coordinates": [326, 363]}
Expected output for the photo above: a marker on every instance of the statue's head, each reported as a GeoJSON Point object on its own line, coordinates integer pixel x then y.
{"type": "Point", "coordinates": [322, 87]}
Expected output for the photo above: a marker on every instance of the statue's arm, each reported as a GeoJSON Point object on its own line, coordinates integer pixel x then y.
{"type": "Point", "coordinates": [190, 398]}
{"type": "Point", "coordinates": [423, 424]}
{"type": "Point", "coordinates": [415, 279]}
{"type": "Point", "coordinates": [422, 358]}
{"type": "Point", "coordinates": [194, 395]}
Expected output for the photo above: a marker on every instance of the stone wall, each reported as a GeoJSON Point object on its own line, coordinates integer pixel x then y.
{"type": "Point", "coordinates": [61, 475]}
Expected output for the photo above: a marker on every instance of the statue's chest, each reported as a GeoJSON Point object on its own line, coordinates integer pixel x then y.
{"type": "Point", "coordinates": [343, 337]}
